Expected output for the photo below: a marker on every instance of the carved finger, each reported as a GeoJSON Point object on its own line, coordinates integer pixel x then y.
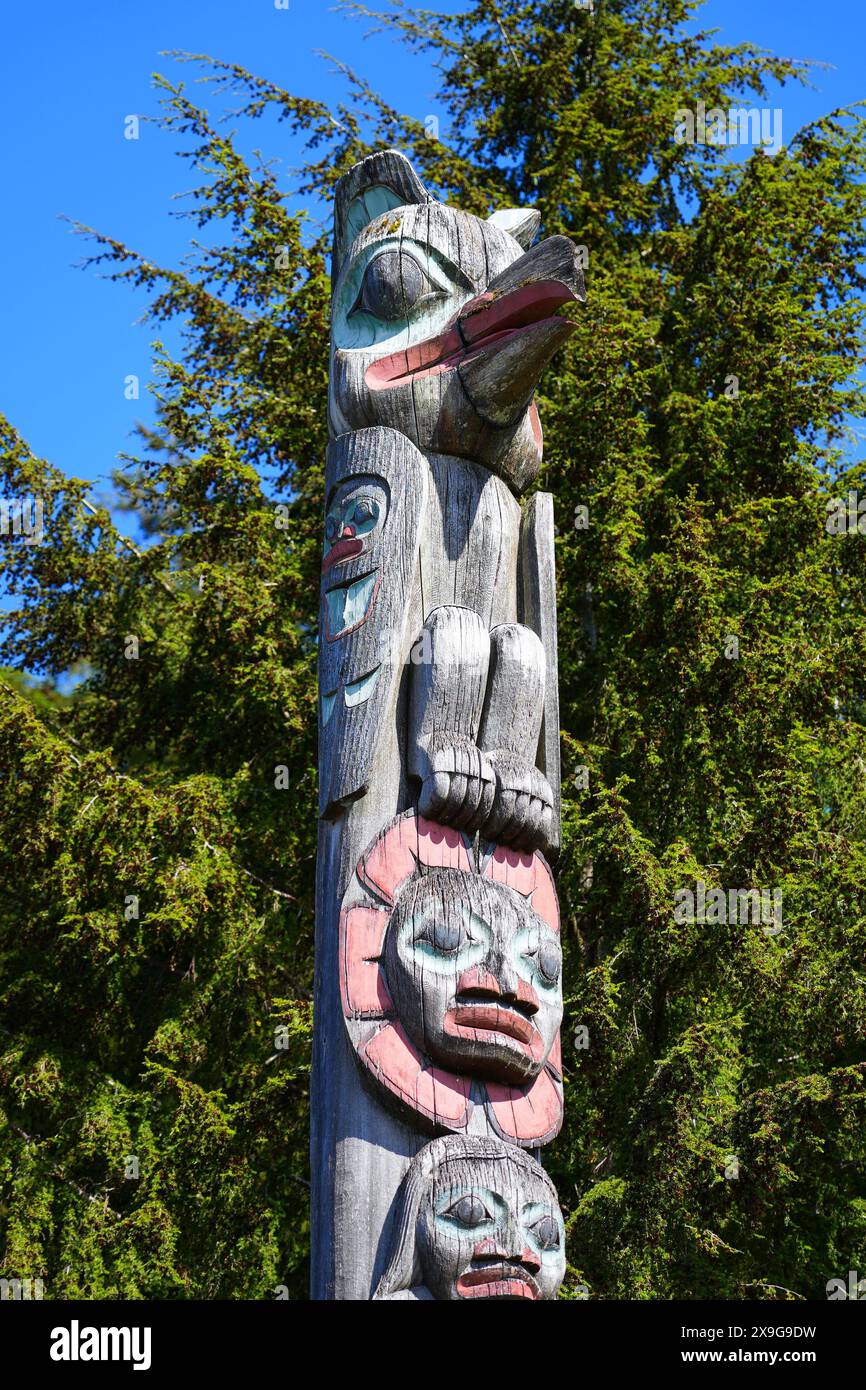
{"type": "Point", "coordinates": [546, 829]}
{"type": "Point", "coordinates": [453, 803]}
{"type": "Point", "coordinates": [434, 794]}
{"type": "Point", "coordinates": [529, 838]}
{"type": "Point", "coordinates": [469, 809]}
{"type": "Point", "coordinates": [486, 796]}
{"type": "Point", "coordinates": [514, 830]}
{"type": "Point", "coordinates": [503, 810]}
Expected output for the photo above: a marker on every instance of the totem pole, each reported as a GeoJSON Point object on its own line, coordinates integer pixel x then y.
{"type": "Point", "coordinates": [438, 998]}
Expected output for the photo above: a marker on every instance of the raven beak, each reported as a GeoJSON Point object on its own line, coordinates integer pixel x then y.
{"type": "Point", "coordinates": [502, 340]}
{"type": "Point", "coordinates": [509, 334]}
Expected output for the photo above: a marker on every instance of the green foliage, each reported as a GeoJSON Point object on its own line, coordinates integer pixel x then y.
{"type": "Point", "coordinates": [708, 1042]}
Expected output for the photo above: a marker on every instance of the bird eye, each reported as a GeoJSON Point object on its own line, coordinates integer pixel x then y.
{"type": "Point", "coordinates": [546, 1232]}
{"type": "Point", "coordinates": [332, 528]}
{"type": "Point", "coordinates": [393, 285]}
{"type": "Point", "coordinates": [469, 1211]}
{"type": "Point", "coordinates": [441, 933]}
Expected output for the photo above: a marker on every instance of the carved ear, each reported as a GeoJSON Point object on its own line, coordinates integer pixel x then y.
{"type": "Point", "coordinates": [521, 223]}
{"type": "Point", "coordinates": [380, 182]}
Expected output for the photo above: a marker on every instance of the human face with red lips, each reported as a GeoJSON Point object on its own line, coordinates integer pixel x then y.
{"type": "Point", "coordinates": [491, 1229]}
{"type": "Point", "coordinates": [475, 975]}
{"type": "Point", "coordinates": [355, 516]}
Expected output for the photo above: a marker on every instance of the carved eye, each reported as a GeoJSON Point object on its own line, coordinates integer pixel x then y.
{"type": "Point", "coordinates": [442, 934]}
{"type": "Point", "coordinates": [548, 962]}
{"type": "Point", "coordinates": [469, 1211]}
{"type": "Point", "coordinates": [393, 285]}
{"type": "Point", "coordinates": [364, 514]}
{"type": "Point", "coordinates": [546, 1232]}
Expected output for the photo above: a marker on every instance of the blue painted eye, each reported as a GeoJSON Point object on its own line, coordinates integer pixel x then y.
{"type": "Point", "coordinates": [442, 934]}
{"type": "Point", "coordinates": [364, 514]}
{"type": "Point", "coordinates": [332, 528]}
{"type": "Point", "coordinates": [394, 284]}
{"type": "Point", "coordinates": [469, 1211]}
{"type": "Point", "coordinates": [546, 1233]}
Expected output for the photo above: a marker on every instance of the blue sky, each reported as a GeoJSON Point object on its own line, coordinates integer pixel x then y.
{"type": "Point", "coordinates": [74, 71]}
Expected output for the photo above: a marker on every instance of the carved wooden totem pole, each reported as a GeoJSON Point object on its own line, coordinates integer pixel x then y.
{"type": "Point", "coordinates": [437, 1067]}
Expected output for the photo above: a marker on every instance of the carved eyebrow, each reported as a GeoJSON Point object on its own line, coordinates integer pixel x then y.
{"type": "Point", "coordinates": [427, 252]}
{"type": "Point", "coordinates": [358, 480]}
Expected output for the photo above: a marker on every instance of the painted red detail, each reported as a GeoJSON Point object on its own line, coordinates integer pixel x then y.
{"type": "Point", "coordinates": [484, 1022]}
{"type": "Point", "coordinates": [528, 1114]}
{"type": "Point", "coordinates": [483, 321]}
{"type": "Point", "coordinates": [505, 1280]}
{"type": "Point", "coordinates": [535, 426]}
{"type": "Point", "coordinates": [362, 980]}
{"type": "Point", "coordinates": [441, 1096]}
{"type": "Point", "coordinates": [528, 875]}
{"type": "Point", "coordinates": [411, 839]}
{"type": "Point", "coordinates": [341, 550]}
{"type": "Point", "coordinates": [481, 1019]}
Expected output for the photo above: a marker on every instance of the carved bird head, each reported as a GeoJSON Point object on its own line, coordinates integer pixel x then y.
{"type": "Point", "coordinates": [443, 322]}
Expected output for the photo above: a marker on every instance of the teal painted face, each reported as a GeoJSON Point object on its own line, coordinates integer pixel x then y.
{"type": "Point", "coordinates": [491, 1228]}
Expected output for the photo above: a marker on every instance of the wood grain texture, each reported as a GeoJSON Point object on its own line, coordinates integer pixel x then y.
{"type": "Point", "coordinates": [365, 606]}
{"type": "Point", "coordinates": [450, 969]}
{"type": "Point", "coordinates": [537, 601]}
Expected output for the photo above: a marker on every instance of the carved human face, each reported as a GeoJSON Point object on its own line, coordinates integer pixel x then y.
{"type": "Point", "coordinates": [491, 1228]}
{"type": "Point", "coordinates": [354, 520]}
{"type": "Point", "coordinates": [476, 975]}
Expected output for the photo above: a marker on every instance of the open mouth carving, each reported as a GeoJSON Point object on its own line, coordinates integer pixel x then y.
{"type": "Point", "coordinates": [500, 1279]}
{"type": "Point", "coordinates": [512, 1019]}
{"type": "Point", "coordinates": [488, 320]}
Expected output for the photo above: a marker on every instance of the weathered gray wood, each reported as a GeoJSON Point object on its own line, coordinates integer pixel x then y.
{"type": "Point", "coordinates": [365, 602]}
{"type": "Point", "coordinates": [438, 991]}
{"type": "Point", "coordinates": [449, 681]}
{"type": "Point", "coordinates": [538, 610]}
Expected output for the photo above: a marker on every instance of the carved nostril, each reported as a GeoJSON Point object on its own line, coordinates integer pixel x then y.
{"type": "Point", "coordinates": [482, 985]}
{"type": "Point", "coordinates": [518, 1000]}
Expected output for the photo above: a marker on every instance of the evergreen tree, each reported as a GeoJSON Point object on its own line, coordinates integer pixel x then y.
{"type": "Point", "coordinates": [157, 827]}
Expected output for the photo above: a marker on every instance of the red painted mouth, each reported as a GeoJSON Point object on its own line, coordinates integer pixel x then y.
{"type": "Point", "coordinates": [341, 550]}
{"type": "Point", "coordinates": [486, 320]}
{"type": "Point", "coordinates": [498, 1281]}
{"type": "Point", "coordinates": [498, 1018]}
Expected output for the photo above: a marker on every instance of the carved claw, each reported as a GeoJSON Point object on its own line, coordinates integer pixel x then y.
{"type": "Point", "coordinates": [458, 783]}
{"type": "Point", "coordinates": [522, 810]}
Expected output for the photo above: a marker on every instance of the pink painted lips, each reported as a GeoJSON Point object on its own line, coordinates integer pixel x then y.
{"type": "Point", "coordinates": [498, 1280]}
{"type": "Point", "coordinates": [341, 550]}
{"type": "Point", "coordinates": [496, 1018]}
{"type": "Point", "coordinates": [482, 1011]}
{"type": "Point", "coordinates": [486, 321]}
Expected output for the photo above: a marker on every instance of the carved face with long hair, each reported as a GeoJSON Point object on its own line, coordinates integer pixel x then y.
{"type": "Point", "coordinates": [477, 1219]}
